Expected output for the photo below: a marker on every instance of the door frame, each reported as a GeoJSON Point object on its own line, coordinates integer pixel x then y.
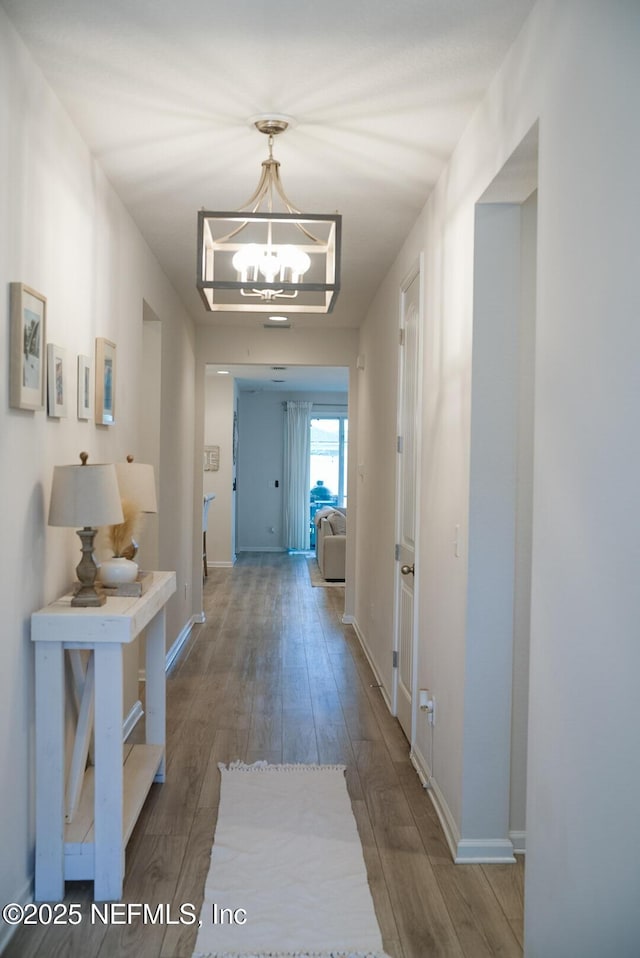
{"type": "Point", "coordinates": [416, 270]}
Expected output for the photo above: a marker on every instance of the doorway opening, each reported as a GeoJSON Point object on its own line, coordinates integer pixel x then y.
{"type": "Point", "coordinates": [245, 419]}
{"type": "Point", "coordinates": [328, 457]}
{"type": "Point", "coordinates": [501, 508]}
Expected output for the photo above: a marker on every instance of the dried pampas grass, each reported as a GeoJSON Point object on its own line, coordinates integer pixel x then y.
{"type": "Point", "coordinates": [123, 534]}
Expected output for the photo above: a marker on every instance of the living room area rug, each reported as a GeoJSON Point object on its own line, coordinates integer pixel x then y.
{"type": "Point", "coordinates": [316, 577]}
{"type": "Point", "coordinates": [287, 876]}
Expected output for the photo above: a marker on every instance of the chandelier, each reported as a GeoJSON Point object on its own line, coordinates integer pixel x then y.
{"type": "Point", "coordinates": [257, 259]}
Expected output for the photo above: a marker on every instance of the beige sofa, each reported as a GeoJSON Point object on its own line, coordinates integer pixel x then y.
{"type": "Point", "coordinates": [331, 542]}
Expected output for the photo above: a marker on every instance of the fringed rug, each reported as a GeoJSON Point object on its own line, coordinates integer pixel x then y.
{"type": "Point", "coordinates": [287, 876]}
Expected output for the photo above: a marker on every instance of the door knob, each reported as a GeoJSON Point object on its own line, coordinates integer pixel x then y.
{"type": "Point", "coordinates": [407, 569]}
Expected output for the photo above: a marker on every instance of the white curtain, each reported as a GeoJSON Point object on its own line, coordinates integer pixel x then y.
{"type": "Point", "coordinates": [297, 450]}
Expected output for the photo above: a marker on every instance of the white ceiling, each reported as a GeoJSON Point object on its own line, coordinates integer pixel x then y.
{"type": "Point", "coordinates": [380, 91]}
{"type": "Point", "coordinates": [256, 378]}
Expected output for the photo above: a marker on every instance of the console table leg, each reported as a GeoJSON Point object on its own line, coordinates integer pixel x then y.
{"type": "Point", "coordinates": [49, 883]}
{"type": "Point", "coordinates": [108, 850]}
{"type": "Point", "coordinates": [155, 704]}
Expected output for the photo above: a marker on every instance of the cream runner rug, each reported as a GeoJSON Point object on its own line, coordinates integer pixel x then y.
{"type": "Point", "coordinates": [287, 876]}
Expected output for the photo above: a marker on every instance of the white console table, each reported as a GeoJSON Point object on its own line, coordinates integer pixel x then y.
{"type": "Point", "coordinates": [102, 803]}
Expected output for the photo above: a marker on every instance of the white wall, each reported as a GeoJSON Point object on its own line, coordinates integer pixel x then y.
{"type": "Point", "coordinates": [149, 444]}
{"type": "Point", "coordinates": [65, 232]}
{"type": "Point", "coordinates": [261, 425]}
{"type": "Point", "coordinates": [499, 541]}
{"type": "Point", "coordinates": [524, 520]}
{"type": "Point", "coordinates": [576, 71]}
{"type": "Point", "coordinates": [260, 465]}
{"type": "Point", "coordinates": [376, 470]}
{"type": "Point", "coordinates": [218, 431]}
{"type": "Point", "coordinates": [492, 525]}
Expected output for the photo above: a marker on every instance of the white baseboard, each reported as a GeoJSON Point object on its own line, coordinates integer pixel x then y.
{"type": "Point", "coordinates": [463, 851]}
{"type": "Point", "coordinates": [446, 819]}
{"type": "Point", "coordinates": [222, 564]}
{"type": "Point", "coordinates": [519, 842]}
{"type": "Point", "coordinates": [261, 549]}
{"type": "Point", "coordinates": [25, 897]}
{"type": "Point", "coordinates": [176, 648]}
{"type": "Point", "coordinates": [363, 644]}
{"type": "Point", "coordinates": [418, 761]}
{"type": "Point", "coordinates": [478, 851]}
{"type": "Point", "coordinates": [135, 714]}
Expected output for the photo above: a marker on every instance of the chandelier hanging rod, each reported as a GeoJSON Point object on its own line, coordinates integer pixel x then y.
{"type": "Point", "coordinates": [270, 178]}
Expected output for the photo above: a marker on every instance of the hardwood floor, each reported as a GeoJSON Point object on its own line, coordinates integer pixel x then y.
{"type": "Point", "coordinates": [275, 675]}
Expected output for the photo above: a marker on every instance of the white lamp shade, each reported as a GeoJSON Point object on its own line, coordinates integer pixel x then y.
{"type": "Point", "coordinates": [85, 495]}
{"type": "Point", "coordinates": [137, 484]}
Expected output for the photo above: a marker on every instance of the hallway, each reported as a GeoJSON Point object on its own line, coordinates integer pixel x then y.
{"type": "Point", "coordinates": [275, 675]}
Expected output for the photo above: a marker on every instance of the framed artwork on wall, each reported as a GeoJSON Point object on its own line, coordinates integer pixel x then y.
{"type": "Point", "coordinates": [84, 387]}
{"type": "Point", "coordinates": [27, 365]}
{"type": "Point", "coordinates": [105, 382]}
{"type": "Point", "coordinates": [56, 382]}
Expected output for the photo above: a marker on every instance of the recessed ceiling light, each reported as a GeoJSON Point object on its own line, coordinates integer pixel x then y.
{"type": "Point", "coordinates": [223, 372]}
{"type": "Point", "coordinates": [278, 319]}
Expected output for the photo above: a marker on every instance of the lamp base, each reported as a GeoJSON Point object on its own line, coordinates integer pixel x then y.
{"type": "Point", "coordinates": [88, 598]}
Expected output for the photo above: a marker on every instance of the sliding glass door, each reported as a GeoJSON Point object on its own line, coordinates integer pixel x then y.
{"type": "Point", "coordinates": [328, 460]}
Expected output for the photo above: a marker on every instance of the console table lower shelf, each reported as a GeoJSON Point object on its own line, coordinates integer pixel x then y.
{"type": "Point", "coordinates": [140, 767]}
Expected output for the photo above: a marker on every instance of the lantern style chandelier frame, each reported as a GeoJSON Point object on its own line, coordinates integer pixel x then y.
{"type": "Point", "coordinates": [256, 259]}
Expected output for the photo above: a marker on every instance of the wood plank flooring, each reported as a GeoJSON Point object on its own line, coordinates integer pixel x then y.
{"type": "Point", "coordinates": [275, 675]}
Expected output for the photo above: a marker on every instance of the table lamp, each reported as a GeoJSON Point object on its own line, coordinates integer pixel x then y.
{"type": "Point", "coordinates": [87, 496]}
{"type": "Point", "coordinates": [137, 485]}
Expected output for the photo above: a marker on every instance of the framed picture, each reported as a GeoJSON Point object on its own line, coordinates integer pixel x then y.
{"type": "Point", "coordinates": [84, 387]}
{"type": "Point", "coordinates": [56, 382]}
{"type": "Point", "coordinates": [105, 382]}
{"type": "Point", "coordinates": [28, 329]}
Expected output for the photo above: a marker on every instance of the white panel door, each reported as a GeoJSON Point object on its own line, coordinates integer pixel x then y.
{"type": "Point", "coordinates": [406, 506]}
